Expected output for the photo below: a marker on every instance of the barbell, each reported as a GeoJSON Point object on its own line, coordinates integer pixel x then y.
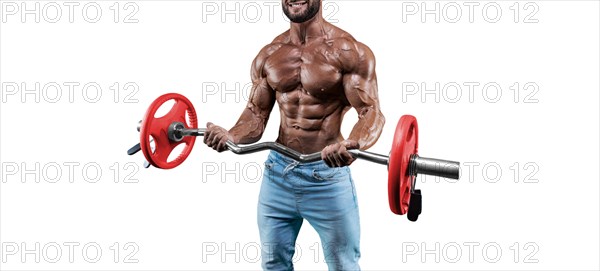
{"type": "Point", "coordinates": [404, 163]}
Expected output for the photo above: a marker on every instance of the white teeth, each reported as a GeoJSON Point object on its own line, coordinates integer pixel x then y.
{"type": "Point", "coordinates": [297, 4]}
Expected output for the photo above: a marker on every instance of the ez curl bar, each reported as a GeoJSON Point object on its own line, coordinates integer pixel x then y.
{"type": "Point", "coordinates": [404, 164]}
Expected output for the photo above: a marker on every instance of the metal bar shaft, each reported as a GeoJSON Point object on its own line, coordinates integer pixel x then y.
{"type": "Point", "coordinates": [421, 165]}
{"type": "Point", "coordinates": [303, 158]}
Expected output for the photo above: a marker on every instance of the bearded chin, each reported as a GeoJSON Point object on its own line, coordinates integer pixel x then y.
{"type": "Point", "coordinates": [310, 12]}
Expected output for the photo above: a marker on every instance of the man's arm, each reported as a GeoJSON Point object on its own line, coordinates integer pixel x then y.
{"type": "Point", "coordinates": [251, 124]}
{"type": "Point", "coordinates": [253, 120]}
{"type": "Point", "coordinates": [360, 88]}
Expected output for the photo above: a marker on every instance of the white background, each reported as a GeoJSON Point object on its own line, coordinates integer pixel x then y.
{"type": "Point", "coordinates": [191, 218]}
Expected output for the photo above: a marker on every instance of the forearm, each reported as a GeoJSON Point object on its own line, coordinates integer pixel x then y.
{"type": "Point", "coordinates": [249, 128]}
{"type": "Point", "coordinates": [368, 128]}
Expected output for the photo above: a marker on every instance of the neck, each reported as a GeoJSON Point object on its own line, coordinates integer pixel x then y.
{"type": "Point", "coordinates": [301, 32]}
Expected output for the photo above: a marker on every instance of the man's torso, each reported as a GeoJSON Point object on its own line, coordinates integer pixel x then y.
{"type": "Point", "coordinates": [308, 81]}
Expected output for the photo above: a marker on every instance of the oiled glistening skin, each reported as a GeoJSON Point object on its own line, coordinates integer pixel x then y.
{"type": "Point", "coordinates": [315, 81]}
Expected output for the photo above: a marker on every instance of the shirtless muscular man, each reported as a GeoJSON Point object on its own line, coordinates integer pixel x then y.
{"type": "Point", "coordinates": [316, 72]}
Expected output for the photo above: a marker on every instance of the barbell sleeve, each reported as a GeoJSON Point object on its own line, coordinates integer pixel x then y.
{"type": "Point", "coordinates": [417, 165]}
{"type": "Point", "coordinates": [135, 149]}
{"type": "Point", "coordinates": [433, 167]}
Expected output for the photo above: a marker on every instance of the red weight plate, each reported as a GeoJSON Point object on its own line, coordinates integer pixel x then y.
{"type": "Point", "coordinates": [158, 127]}
{"type": "Point", "coordinates": [406, 142]}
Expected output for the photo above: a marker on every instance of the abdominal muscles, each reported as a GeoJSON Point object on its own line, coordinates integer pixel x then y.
{"type": "Point", "coordinates": [308, 123]}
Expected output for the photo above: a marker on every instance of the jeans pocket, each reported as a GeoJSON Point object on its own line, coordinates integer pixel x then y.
{"type": "Point", "coordinates": [268, 168]}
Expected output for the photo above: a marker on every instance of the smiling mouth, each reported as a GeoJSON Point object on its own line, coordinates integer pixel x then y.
{"type": "Point", "coordinates": [297, 3]}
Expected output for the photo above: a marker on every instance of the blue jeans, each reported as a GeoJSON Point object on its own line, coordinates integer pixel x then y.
{"type": "Point", "coordinates": [324, 196]}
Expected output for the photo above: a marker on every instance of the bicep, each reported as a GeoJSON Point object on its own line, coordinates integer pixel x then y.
{"type": "Point", "coordinates": [262, 96]}
{"type": "Point", "coordinates": [360, 83]}
{"type": "Point", "coordinates": [361, 92]}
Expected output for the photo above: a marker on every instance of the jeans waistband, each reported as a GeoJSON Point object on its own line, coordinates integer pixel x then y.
{"type": "Point", "coordinates": [280, 158]}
